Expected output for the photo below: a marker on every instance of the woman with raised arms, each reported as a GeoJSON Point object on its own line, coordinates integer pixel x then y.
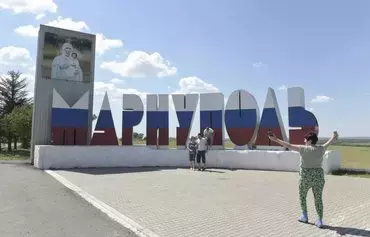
{"type": "Point", "coordinates": [311, 171]}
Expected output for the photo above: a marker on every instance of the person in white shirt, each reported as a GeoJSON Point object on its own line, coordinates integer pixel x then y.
{"type": "Point", "coordinates": [209, 134]}
{"type": "Point", "coordinates": [201, 154]}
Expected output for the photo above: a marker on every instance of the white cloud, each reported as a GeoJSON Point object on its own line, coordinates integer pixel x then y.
{"type": "Point", "coordinates": [69, 24]}
{"type": "Point", "coordinates": [29, 6]}
{"type": "Point", "coordinates": [60, 22]}
{"type": "Point", "coordinates": [40, 16]}
{"type": "Point", "coordinates": [321, 99]}
{"type": "Point", "coordinates": [195, 85]}
{"type": "Point", "coordinates": [27, 30]}
{"type": "Point", "coordinates": [259, 65]}
{"type": "Point", "coordinates": [117, 81]}
{"type": "Point", "coordinates": [114, 91]}
{"type": "Point", "coordinates": [12, 55]}
{"type": "Point", "coordinates": [103, 44]}
{"type": "Point", "coordinates": [282, 88]}
{"type": "Point", "coordinates": [141, 64]}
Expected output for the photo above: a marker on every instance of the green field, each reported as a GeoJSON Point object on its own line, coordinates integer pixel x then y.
{"type": "Point", "coordinates": [357, 157]}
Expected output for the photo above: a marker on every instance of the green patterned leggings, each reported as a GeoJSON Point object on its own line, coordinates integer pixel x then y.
{"type": "Point", "coordinates": [315, 179]}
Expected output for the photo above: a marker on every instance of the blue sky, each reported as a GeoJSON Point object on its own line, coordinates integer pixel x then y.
{"type": "Point", "coordinates": [205, 46]}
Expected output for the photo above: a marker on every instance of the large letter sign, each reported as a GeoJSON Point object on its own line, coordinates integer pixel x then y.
{"type": "Point", "coordinates": [132, 113]}
{"type": "Point", "coordinates": [185, 106]}
{"type": "Point", "coordinates": [157, 120]}
{"type": "Point", "coordinates": [105, 132]}
{"type": "Point", "coordinates": [69, 125]}
{"type": "Point", "coordinates": [270, 120]}
{"type": "Point", "coordinates": [300, 119]}
{"type": "Point", "coordinates": [241, 117]}
{"type": "Point", "coordinates": [211, 115]}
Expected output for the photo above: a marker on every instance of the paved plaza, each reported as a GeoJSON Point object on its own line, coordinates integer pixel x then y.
{"type": "Point", "coordinates": [225, 203]}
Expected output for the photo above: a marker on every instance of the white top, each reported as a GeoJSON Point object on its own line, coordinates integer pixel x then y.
{"type": "Point", "coordinates": [208, 133]}
{"type": "Point", "coordinates": [296, 97]}
{"type": "Point", "coordinates": [241, 99]}
{"type": "Point", "coordinates": [202, 144]}
{"type": "Point", "coordinates": [211, 102]}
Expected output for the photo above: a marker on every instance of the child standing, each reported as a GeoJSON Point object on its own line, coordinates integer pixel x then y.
{"type": "Point", "coordinates": [192, 148]}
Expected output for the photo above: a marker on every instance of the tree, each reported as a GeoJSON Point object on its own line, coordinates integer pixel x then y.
{"type": "Point", "coordinates": [13, 93]}
{"type": "Point", "coordinates": [3, 131]}
{"type": "Point", "coordinates": [20, 121]}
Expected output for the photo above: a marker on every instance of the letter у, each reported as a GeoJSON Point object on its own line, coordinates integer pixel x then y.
{"type": "Point", "coordinates": [211, 115]}
{"type": "Point", "coordinates": [185, 106]}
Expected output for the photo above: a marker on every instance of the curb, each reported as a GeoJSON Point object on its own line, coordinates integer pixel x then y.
{"type": "Point", "coordinates": [354, 170]}
{"type": "Point", "coordinates": [108, 210]}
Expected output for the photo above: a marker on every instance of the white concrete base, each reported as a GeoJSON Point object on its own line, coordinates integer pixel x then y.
{"type": "Point", "coordinates": [65, 157]}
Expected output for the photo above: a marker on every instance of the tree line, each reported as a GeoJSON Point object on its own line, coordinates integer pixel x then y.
{"type": "Point", "coordinates": [15, 111]}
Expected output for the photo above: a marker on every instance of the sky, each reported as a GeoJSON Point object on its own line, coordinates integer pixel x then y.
{"type": "Point", "coordinates": [172, 46]}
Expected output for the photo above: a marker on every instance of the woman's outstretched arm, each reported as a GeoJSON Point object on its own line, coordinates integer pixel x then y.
{"type": "Point", "coordinates": [284, 144]}
{"type": "Point", "coordinates": [331, 139]}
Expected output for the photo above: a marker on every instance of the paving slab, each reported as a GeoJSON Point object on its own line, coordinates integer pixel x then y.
{"type": "Point", "coordinates": [181, 202]}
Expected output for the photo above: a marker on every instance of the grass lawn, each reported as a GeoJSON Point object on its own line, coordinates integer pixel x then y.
{"type": "Point", "coordinates": [19, 154]}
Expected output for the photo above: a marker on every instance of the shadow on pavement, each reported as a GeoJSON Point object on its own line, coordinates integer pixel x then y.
{"type": "Point", "coordinates": [103, 171]}
{"type": "Point", "coordinates": [214, 171]}
{"type": "Point", "coordinates": [347, 230]}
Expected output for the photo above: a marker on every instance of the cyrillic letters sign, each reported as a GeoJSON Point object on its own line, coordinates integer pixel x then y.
{"type": "Point", "coordinates": [241, 116]}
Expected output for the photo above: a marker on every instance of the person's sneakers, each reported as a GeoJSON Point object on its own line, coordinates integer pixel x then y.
{"type": "Point", "coordinates": [318, 223]}
{"type": "Point", "coordinates": [303, 218]}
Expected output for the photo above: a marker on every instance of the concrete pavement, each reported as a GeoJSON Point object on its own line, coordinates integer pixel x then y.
{"type": "Point", "coordinates": [33, 204]}
{"type": "Point", "coordinates": [180, 202]}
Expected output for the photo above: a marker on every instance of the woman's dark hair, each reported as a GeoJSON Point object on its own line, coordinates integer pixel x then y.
{"type": "Point", "coordinates": [74, 54]}
{"type": "Point", "coordinates": [311, 136]}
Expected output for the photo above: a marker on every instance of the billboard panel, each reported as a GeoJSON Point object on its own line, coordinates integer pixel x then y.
{"type": "Point", "coordinates": [65, 63]}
